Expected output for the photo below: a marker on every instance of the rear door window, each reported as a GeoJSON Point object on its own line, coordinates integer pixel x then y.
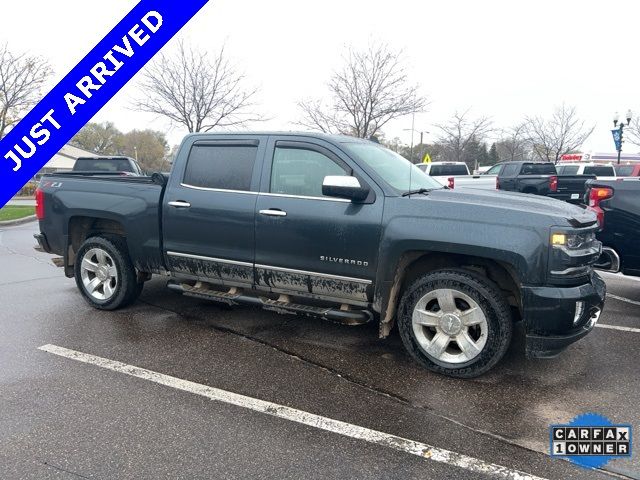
{"type": "Point", "coordinates": [224, 167]}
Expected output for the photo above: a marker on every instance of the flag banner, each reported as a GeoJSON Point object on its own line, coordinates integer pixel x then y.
{"type": "Point", "coordinates": [74, 101]}
{"type": "Point", "coordinates": [617, 138]}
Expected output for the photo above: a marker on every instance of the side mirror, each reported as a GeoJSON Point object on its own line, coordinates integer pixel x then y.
{"type": "Point", "coordinates": [343, 186]}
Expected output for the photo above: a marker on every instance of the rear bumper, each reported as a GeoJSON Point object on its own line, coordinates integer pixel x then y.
{"type": "Point", "coordinates": [556, 317]}
{"type": "Point", "coordinates": [567, 197]}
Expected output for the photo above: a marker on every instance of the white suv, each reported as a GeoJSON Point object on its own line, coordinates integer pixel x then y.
{"type": "Point", "coordinates": [602, 171]}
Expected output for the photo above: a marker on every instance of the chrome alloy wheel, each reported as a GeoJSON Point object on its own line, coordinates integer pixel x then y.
{"type": "Point", "coordinates": [99, 274]}
{"type": "Point", "coordinates": [449, 326]}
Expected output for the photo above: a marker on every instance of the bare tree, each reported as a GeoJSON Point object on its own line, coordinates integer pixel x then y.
{"type": "Point", "coordinates": [513, 144]}
{"type": "Point", "coordinates": [461, 135]}
{"type": "Point", "coordinates": [633, 132]}
{"type": "Point", "coordinates": [21, 80]}
{"type": "Point", "coordinates": [191, 88]}
{"type": "Point", "coordinates": [370, 90]}
{"type": "Point", "coordinates": [562, 133]}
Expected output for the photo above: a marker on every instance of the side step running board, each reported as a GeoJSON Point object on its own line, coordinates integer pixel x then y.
{"type": "Point", "coordinates": [235, 297]}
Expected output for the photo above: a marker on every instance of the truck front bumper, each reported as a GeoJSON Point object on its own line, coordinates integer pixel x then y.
{"type": "Point", "coordinates": [556, 317]}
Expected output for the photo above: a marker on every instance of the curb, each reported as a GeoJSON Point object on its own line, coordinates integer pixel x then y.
{"type": "Point", "coordinates": [19, 221]}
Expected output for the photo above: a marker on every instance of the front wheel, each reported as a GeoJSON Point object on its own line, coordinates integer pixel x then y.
{"type": "Point", "coordinates": [104, 273]}
{"type": "Point", "coordinates": [455, 322]}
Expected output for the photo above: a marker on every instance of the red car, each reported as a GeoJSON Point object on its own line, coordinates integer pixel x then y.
{"type": "Point", "coordinates": [632, 170]}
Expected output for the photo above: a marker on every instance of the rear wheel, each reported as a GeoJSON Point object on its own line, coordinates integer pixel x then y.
{"type": "Point", "coordinates": [104, 273]}
{"type": "Point", "coordinates": [455, 322]}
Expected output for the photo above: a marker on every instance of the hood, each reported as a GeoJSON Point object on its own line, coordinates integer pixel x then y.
{"type": "Point", "coordinates": [574, 215]}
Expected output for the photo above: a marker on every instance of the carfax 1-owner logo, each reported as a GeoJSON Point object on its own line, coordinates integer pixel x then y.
{"type": "Point", "coordinates": [591, 440]}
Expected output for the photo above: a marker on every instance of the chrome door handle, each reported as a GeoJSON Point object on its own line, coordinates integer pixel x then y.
{"type": "Point", "coordinates": [179, 204]}
{"type": "Point", "coordinates": [273, 213]}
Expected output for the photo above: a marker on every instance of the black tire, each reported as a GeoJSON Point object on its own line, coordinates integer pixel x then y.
{"type": "Point", "coordinates": [127, 288]}
{"type": "Point", "coordinates": [488, 297]}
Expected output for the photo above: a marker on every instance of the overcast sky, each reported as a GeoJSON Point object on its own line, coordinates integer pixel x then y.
{"type": "Point", "coordinates": [504, 59]}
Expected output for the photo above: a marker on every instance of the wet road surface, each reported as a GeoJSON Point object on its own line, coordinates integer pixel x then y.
{"type": "Point", "coordinates": [62, 418]}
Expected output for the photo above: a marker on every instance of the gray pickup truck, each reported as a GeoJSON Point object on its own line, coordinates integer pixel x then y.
{"type": "Point", "coordinates": [539, 178]}
{"type": "Point", "coordinates": [339, 228]}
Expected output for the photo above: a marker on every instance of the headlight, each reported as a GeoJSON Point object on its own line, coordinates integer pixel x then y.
{"type": "Point", "coordinates": [573, 241]}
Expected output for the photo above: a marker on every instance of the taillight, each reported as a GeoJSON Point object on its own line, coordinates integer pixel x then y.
{"type": "Point", "coordinates": [452, 182]}
{"type": "Point", "coordinates": [597, 195]}
{"type": "Point", "coordinates": [497, 183]}
{"type": "Point", "coordinates": [553, 183]}
{"type": "Point", "coordinates": [39, 204]}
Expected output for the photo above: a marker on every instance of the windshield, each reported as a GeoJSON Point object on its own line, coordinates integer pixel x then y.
{"type": "Point", "coordinates": [568, 170]}
{"type": "Point", "coordinates": [394, 169]}
{"type": "Point", "coordinates": [604, 171]}
{"type": "Point", "coordinates": [538, 169]}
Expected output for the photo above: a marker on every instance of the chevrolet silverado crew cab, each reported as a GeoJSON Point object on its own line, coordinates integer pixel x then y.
{"type": "Point", "coordinates": [339, 228]}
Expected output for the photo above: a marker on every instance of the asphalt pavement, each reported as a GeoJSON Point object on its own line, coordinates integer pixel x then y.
{"type": "Point", "coordinates": [174, 387]}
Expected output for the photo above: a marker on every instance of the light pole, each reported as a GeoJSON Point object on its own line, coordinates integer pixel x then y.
{"type": "Point", "coordinates": [618, 131]}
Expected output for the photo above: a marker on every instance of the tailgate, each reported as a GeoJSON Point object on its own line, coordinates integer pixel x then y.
{"type": "Point", "coordinates": [571, 187]}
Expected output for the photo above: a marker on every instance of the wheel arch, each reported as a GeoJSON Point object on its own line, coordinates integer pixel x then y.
{"type": "Point", "coordinates": [82, 227]}
{"type": "Point", "coordinates": [412, 264]}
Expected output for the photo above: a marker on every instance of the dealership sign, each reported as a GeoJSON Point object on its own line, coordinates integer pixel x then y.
{"type": "Point", "coordinates": [88, 87]}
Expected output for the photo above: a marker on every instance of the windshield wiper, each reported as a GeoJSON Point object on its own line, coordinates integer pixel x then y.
{"type": "Point", "coordinates": [423, 191]}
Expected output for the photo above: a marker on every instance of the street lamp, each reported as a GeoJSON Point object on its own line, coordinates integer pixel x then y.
{"type": "Point", "coordinates": [618, 131]}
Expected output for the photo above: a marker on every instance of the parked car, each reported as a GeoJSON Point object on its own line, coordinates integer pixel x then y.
{"type": "Point", "coordinates": [340, 228]}
{"type": "Point", "coordinates": [617, 204]}
{"type": "Point", "coordinates": [540, 178]}
{"type": "Point", "coordinates": [601, 171]}
{"type": "Point", "coordinates": [456, 175]}
{"type": "Point", "coordinates": [110, 165]}
{"type": "Point", "coordinates": [631, 170]}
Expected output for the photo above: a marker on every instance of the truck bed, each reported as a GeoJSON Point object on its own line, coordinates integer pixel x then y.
{"type": "Point", "coordinates": [571, 188]}
{"type": "Point", "coordinates": [133, 203]}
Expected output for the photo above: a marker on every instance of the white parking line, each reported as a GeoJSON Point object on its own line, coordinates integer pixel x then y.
{"type": "Point", "coordinates": [323, 423]}
{"type": "Point", "coordinates": [623, 299]}
{"type": "Point", "coordinates": [616, 327]}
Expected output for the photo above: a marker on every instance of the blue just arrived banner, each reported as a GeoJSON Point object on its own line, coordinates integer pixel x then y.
{"type": "Point", "coordinates": [87, 88]}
